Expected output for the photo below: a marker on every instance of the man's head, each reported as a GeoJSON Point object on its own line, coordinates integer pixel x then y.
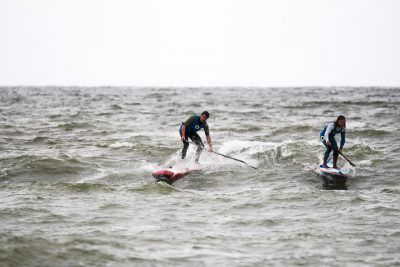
{"type": "Point", "coordinates": [341, 121]}
{"type": "Point", "coordinates": [204, 116]}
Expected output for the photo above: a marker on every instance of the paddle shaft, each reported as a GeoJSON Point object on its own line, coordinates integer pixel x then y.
{"type": "Point", "coordinates": [351, 163]}
{"type": "Point", "coordinates": [227, 156]}
{"type": "Point", "coordinates": [234, 159]}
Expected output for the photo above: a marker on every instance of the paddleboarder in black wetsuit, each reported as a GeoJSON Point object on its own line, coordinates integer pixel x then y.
{"type": "Point", "coordinates": [189, 129]}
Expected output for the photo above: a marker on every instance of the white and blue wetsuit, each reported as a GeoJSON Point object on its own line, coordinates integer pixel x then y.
{"type": "Point", "coordinates": [193, 125]}
{"type": "Point", "coordinates": [328, 133]}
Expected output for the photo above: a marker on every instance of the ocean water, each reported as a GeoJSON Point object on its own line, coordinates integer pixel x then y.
{"type": "Point", "coordinates": [76, 186]}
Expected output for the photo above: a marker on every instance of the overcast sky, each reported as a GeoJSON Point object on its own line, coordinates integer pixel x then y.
{"type": "Point", "coordinates": [200, 43]}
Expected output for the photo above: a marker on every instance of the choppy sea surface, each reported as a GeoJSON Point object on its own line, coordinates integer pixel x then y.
{"type": "Point", "coordinates": [76, 186]}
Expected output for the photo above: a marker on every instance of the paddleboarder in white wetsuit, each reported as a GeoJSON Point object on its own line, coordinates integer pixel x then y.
{"type": "Point", "coordinates": [189, 129]}
{"type": "Point", "coordinates": [327, 137]}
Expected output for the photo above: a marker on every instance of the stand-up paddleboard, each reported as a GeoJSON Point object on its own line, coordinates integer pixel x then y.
{"type": "Point", "coordinates": [333, 177]}
{"type": "Point", "coordinates": [171, 175]}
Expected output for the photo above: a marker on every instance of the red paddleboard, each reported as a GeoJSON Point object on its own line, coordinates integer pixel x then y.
{"type": "Point", "coordinates": [171, 175]}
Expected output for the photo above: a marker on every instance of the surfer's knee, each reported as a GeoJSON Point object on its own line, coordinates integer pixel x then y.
{"type": "Point", "coordinates": [328, 150]}
{"type": "Point", "coordinates": [198, 143]}
{"type": "Point", "coordinates": [200, 147]}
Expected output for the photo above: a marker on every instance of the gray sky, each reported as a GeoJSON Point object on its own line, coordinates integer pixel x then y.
{"type": "Point", "coordinates": [200, 43]}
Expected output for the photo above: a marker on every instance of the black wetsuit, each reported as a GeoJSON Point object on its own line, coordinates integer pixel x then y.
{"type": "Point", "coordinates": [193, 125]}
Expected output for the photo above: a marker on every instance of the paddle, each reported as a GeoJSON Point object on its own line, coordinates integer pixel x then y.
{"type": "Point", "coordinates": [227, 156]}
{"type": "Point", "coordinates": [234, 159]}
{"type": "Point", "coordinates": [351, 163]}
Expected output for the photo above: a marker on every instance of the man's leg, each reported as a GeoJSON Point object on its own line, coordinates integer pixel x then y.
{"type": "Point", "coordinates": [200, 146]}
{"type": "Point", "coordinates": [184, 149]}
{"type": "Point", "coordinates": [335, 154]}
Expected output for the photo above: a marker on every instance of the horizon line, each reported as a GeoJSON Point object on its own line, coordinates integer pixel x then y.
{"type": "Point", "coordinates": [205, 86]}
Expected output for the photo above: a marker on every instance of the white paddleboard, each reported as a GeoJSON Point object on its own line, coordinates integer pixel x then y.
{"type": "Point", "coordinates": [333, 176]}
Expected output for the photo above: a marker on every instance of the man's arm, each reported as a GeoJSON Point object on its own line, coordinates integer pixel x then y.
{"type": "Point", "coordinates": [210, 149]}
{"type": "Point", "coordinates": [183, 133]}
{"type": "Point", "coordinates": [209, 142]}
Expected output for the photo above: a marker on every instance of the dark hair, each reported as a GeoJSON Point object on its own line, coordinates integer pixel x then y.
{"type": "Point", "coordinates": [341, 117]}
{"type": "Point", "coordinates": [205, 113]}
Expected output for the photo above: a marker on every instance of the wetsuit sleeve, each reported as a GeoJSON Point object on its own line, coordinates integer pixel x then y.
{"type": "Point", "coordinates": [190, 120]}
{"type": "Point", "coordinates": [328, 131]}
{"type": "Point", "coordinates": [207, 129]}
{"type": "Point", "coordinates": [342, 139]}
